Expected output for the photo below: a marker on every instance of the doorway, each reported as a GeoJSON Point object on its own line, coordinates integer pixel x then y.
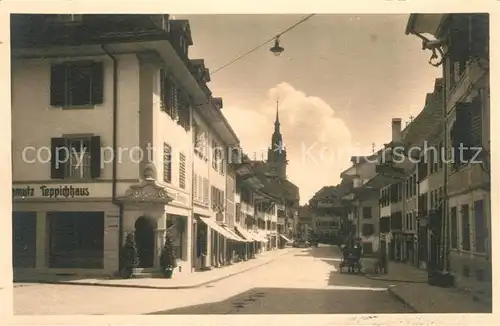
{"type": "Point", "coordinates": [145, 241]}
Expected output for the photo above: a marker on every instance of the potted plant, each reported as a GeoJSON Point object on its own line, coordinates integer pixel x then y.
{"type": "Point", "coordinates": [129, 257]}
{"type": "Point", "coordinates": [167, 259]}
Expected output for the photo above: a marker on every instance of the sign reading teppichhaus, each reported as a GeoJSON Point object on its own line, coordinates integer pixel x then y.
{"type": "Point", "coordinates": [50, 192]}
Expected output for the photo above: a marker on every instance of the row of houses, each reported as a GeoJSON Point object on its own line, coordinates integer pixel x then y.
{"type": "Point", "coordinates": [115, 131]}
{"type": "Point", "coordinates": [424, 199]}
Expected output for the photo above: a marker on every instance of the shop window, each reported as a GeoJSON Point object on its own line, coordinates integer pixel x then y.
{"type": "Point", "coordinates": [76, 84]}
{"type": "Point", "coordinates": [76, 239]}
{"type": "Point", "coordinates": [24, 239]}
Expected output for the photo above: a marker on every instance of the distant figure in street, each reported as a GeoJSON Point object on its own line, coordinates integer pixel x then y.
{"type": "Point", "coordinates": [345, 252]}
{"type": "Point", "coordinates": [358, 249]}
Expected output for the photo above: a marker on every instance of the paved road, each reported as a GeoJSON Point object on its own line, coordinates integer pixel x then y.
{"type": "Point", "coordinates": [303, 282]}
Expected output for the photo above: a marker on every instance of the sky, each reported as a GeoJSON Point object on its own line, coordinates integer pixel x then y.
{"type": "Point", "coordinates": [340, 81]}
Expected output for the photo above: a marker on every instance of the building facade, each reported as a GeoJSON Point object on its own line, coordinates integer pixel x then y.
{"type": "Point", "coordinates": [129, 140]}
{"type": "Point", "coordinates": [466, 227]}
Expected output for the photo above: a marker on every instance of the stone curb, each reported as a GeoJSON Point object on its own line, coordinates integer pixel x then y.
{"type": "Point", "coordinates": [138, 286]}
{"type": "Point", "coordinates": [402, 300]}
{"type": "Point", "coordinates": [392, 280]}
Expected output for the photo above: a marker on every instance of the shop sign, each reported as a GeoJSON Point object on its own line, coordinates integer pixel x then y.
{"type": "Point", "coordinates": [63, 191]}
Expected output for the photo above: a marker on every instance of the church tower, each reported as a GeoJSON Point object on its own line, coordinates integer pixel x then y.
{"type": "Point", "coordinates": [276, 154]}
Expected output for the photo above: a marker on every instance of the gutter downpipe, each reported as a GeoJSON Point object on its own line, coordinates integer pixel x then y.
{"type": "Point", "coordinates": [115, 163]}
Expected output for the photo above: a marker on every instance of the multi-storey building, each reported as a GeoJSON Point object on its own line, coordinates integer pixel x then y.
{"type": "Point", "coordinates": [461, 46]}
{"type": "Point", "coordinates": [101, 115]}
{"type": "Point", "coordinates": [362, 202]}
{"type": "Point", "coordinates": [326, 214]}
{"type": "Point", "coordinates": [134, 142]}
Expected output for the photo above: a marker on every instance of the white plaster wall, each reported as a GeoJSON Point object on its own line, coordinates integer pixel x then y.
{"type": "Point", "coordinates": [35, 122]}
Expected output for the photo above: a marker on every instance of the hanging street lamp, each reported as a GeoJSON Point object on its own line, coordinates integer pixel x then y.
{"type": "Point", "coordinates": [277, 49]}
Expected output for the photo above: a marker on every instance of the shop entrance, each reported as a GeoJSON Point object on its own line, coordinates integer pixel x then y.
{"type": "Point", "coordinates": [145, 240]}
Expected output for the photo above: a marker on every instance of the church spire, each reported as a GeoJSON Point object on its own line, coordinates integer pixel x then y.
{"type": "Point", "coordinates": [277, 121]}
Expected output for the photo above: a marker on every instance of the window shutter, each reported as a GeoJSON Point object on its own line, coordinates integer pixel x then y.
{"type": "Point", "coordinates": [97, 83]}
{"type": "Point", "coordinates": [476, 123]}
{"type": "Point", "coordinates": [58, 158]}
{"type": "Point", "coordinates": [57, 85]}
{"type": "Point", "coordinates": [459, 38]}
{"type": "Point", "coordinates": [480, 32]}
{"type": "Point", "coordinates": [205, 191]}
{"type": "Point", "coordinates": [462, 130]}
{"type": "Point", "coordinates": [163, 103]}
{"type": "Point", "coordinates": [195, 186]}
{"type": "Point", "coordinates": [95, 157]}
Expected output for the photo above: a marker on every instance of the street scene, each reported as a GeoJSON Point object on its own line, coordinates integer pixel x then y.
{"type": "Point", "coordinates": [315, 164]}
{"type": "Point", "coordinates": [300, 281]}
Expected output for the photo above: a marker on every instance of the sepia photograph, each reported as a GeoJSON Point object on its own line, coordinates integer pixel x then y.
{"type": "Point", "coordinates": [219, 164]}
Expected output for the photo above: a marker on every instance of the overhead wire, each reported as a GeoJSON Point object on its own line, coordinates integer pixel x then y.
{"type": "Point", "coordinates": [262, 44]}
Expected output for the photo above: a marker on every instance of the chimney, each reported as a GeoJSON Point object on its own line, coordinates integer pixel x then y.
{"type": "Point", "coordinates": [396, 130]}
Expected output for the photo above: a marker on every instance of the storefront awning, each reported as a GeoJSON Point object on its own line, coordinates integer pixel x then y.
{"type": "Point", "coordinates": [240, 239]}
{"type": "Point", "coordinates": [250, 237]}
{"type": "Point", "coordinates": [219, 229]}
{"type": "Point", "coordinates": [285, 238]}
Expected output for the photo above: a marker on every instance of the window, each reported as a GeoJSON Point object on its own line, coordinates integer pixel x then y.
{"type": "Point", "coordinates": [200, 142]}
{"type": "Point", "coordinates": [24, 239]}
{"type": "Point", "coordinates": [430, 159]}
{"type": "Point", "coordinates": [367, 230]}
{"type": "Point", "coordinates": [453, 228]}
{"type": "Point", "coordinates": [237, 216]}
{"type": "Point", "coordinates": [167, 163]}
{"type": "Point", "coordinates": [76, 84]}
{"type": "Point", "coordinates": [367, 212]}
{"type": "Point", "coordinates": [422, 170]}
{"type": "Point", "coordinates": [182, 171]}
{"type": "Point", "coordinates": [465, 228]}
{"type": "Point", "coordinates": [367, 248]}
{"type": "Point", "coordinates": [216, 157]}
{"type": "Point", "coordinates": [169, 96]}
{"type": "Point", "coordinates": [76, 239]}
{"type": "Point", "coordinates": [411, 221]}
{"type": "Point", "coordinates": [480, 233]}
{"type": "Point", "coordinates": [84, 160]}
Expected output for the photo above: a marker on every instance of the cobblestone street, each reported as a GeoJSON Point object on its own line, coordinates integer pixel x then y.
{"type": "Point", "coordinates": [301, 282]}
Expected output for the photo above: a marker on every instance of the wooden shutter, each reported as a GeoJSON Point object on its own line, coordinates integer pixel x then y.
{"type": "Point", "coordinates": [462, 131]}
{"type": "Point", "coordinates": [182, 171]}
{"type": "Point", "coordinates": [95, 157]}
{"type": "Point", "coordinates": [476, 121]}
{"type": "Point", "coordinates": [459, 38]}
{"type": "Point", "coordinates": [58, 85]}
{"type": "Point", "coordinates": [97, 83]}
{"type": "Point", "coordinates": [206, 195]}
{"type": "Point", "coordinates": [58, 158]}
{"type": "Point", "coordinates": [480, 33]}
{"type": "Point", "coordinates": [195, 186]}
{"type": "Point", "coordinates": [163, 96]}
